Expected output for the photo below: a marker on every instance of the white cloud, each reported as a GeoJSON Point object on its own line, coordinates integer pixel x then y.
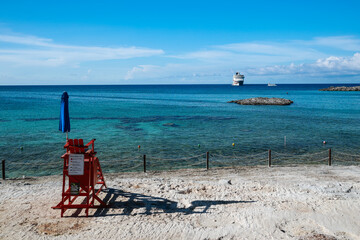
{"type": "Point", "coordinates": [142, 71]}
{"type": "Point", "coordinates": [253, 54]}
{"type": "Point", "coordinates": [347, 43]}
{"type": "Point", "coordinates": [270, 48]}
{"type": "Point", "coordinates": [274, 52]}
{"type": "Point", "coordinates": [27, 40]}
{"type": "Point", "coordinates": [340, 63]}
{"type": "Point", "coordinates": [322, 67]}
{"type": "Point", "coordinates": [175, 73]}
{"type": "Point", "coordinates": [206, 55]}
{"type": "Point", "coordinates": [44, 52]}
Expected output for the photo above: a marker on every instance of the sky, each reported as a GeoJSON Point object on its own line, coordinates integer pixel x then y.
{"type": "Point", "coordinates": [178, 42]}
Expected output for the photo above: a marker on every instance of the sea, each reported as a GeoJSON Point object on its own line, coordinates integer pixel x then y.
{"type": "Point", "coordinates": [176, 125]}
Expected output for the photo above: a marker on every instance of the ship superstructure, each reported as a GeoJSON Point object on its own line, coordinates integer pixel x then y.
{"type": "Point", "coordinates": [238, 79]}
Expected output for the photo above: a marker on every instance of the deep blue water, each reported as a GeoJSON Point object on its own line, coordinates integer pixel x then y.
{"type": "Point", "coordinates": [172, 121]}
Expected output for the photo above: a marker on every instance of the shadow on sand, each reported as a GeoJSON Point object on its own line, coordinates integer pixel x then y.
{"type": "Point", "coordinates": [127, 202]}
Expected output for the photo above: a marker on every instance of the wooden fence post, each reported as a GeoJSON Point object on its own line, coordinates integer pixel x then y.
{"type": "Point", "coordinates": [3, 169]}
{"type": "Point", "coordinates": [269, 157]}
{"type": "Point", "coordinates": [329, 156]}
{"type": "Point", "coordinates": [144, 159]}
{"type": "Point", "coordinates": [207, 160]}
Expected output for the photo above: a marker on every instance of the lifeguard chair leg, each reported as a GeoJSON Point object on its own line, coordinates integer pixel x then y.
{"type": "Point", "coordinates": [87, 205]}
{"type": "Point", "coordinates": [90, 166]}
{"type": "Point", "coordinates": [100, 174]}
{"type": "Point", "coordinates": [63, 190]}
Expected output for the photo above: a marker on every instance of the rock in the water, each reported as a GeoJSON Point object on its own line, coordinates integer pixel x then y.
{"type": "Point", "coordinates": [263, 101]}
{"type": "Point", "coordinates": [170, 125]}
{"type": "Point", "coordinates": [342, 88]}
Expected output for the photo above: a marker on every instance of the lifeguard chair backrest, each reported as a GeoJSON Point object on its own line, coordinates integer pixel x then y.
{"type": "Point", "coordinates": [75, 146]}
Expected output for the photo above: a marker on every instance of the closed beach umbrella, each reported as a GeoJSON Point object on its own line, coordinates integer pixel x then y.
{"type": "Point", "coordinates": [64, 124]}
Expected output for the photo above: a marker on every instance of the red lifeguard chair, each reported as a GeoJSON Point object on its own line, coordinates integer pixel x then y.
{"type": "Point", "coordinates": [83, 171]}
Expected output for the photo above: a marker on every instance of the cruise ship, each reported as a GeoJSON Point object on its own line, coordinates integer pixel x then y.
{"type": "Point", "coordinates": [238, 79]}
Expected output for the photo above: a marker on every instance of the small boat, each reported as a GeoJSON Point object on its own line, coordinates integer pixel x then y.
{"type": "Point", "coordinates": [271, 85]}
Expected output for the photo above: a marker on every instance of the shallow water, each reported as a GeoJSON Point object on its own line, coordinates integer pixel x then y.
{"type": "Point", "coordinates": [175, 121]}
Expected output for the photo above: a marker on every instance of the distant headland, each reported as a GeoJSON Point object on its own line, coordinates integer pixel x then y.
{"type": "Point", "coordinates": [342, 88]}
{"type": "Point", "coordinates": [262, 101]}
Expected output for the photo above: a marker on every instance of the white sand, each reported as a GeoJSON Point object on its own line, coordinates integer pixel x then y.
{"type": "Point", "coordinates": [300, 202]}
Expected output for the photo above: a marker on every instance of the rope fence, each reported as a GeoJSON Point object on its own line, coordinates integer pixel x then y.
{"type": "Point", "coordinates": [205, 160]}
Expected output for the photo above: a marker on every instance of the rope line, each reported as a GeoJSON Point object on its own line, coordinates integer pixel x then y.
{"type": "Point", "coordinates": [137, 166]}
{"type": "Point", "coordinates": [177, 159]}
{"type": "Point", "coordinates": [302, 155]}
{"type": "Point", "coordinates": [35, 164]}
{"type": "Point", "coordinates": [321, 160]}
{"type": "Point", "coordinates": [122, 160]}
{"type": "Point", "coordinates": [216, 159]}
{"type": "Point", "coordinates": [346, 154]}
{"type": "Point", "coordinates": [345, 160]}
{"type": "Point", "coordinates": [196, 164]}
{"type": "Point", "coordinates": [238, 156]}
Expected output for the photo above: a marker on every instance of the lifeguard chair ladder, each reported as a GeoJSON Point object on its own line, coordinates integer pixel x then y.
{"type": "Point", "coordinates": [83, 171]}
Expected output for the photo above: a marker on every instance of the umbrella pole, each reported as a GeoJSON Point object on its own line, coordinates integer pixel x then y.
{"type": "Point", "coordinates": [67, 136]}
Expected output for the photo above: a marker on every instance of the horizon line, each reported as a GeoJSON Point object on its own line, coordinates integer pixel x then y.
{"type": "Point", "coordinates": [166, 84]}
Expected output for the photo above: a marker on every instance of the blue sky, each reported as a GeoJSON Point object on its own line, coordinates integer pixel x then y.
{"type": "Point", "coordinates": [185, 42]}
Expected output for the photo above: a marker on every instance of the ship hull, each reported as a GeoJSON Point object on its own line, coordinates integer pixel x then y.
{"type": "Point", "coordinates": [238, 84]}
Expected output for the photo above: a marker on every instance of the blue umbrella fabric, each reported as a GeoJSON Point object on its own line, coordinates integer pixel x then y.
{"type": "Point", "coordinates": [64, 123]}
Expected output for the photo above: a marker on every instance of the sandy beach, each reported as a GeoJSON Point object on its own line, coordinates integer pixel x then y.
{"type": "Point", "coordinates": [297, 202]}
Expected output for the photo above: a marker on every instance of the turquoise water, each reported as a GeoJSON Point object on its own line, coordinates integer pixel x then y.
{"type": "Point", "coordinates": [172, 121]}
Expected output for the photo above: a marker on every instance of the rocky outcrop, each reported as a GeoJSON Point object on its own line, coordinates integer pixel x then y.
{"type": "Point", "coordinates": [170, 125]}
{"type": "Point", "coordinates": [263, 101]}
{"type": "Point", "coordinates": [343, 88]}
